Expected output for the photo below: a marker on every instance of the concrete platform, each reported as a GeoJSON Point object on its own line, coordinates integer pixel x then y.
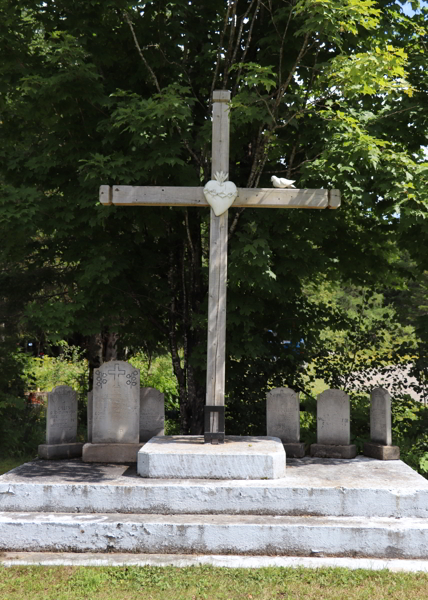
{"type": "Point", "coordinates": [322, 507]}
{"type": "Point", "coordinates": [215, 534]}
{"type": "Point", "coordinates": [362, 487]}
{"type": "Point", "coordinates": [188, 457]}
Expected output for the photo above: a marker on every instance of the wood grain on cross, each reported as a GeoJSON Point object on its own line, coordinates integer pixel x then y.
{"type": "Point", "coordinates": [125, 195]}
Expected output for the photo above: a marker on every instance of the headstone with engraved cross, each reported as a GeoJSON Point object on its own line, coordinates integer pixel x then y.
{"type": "Point", "coordinates": [220, 195]}
{"type": "Point", "coordinates": [116, 404]}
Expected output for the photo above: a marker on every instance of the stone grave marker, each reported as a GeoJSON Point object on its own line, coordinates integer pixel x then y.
{"type": "Point", "coordinates": [61, 425]}
{"type": "Point", "coordinates": [283, 420]}
{"type": "Point", "coordinates": [90, 414]}
{"type": "Point", "coordinates": [115, 414]}
{"type": "Point", "coordinates": [152, 413]}
{"type": "Point", "coordinates": [116, 404]}
{"type": "Point", "coordinates": [380, 445]}
{"type": "Point", "coordinates": [333, 426]}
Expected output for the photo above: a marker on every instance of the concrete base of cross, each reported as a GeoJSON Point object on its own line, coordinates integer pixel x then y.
{"type": "Point", "coordinates": [188, 457]}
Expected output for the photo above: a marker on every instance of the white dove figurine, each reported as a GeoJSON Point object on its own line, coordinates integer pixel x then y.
{"type": "Point", "coordinates": [281, 182]}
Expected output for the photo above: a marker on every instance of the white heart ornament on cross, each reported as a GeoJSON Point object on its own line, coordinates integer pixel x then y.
{"type": "Point", "coordinates": [220, 194]}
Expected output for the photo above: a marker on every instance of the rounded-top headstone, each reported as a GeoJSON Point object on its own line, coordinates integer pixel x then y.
{"type": "Point", "coordinates": [152, 413]}
{"type": "Point", "coordinates": [333, 418]}
{"type": "Point", "coordinates": [116, 404]}
{"type": "Point", "coordinates": [283, 414]}
{"type": "Point", "coordinates": [61, 418]}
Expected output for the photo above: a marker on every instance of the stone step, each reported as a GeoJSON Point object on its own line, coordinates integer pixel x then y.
{"type": "Point", "coordinates": [230, 561]}
{"type": "Point", "coordinates": [215, 534]}
{"type": "Point", "coordinates": [362, 487]}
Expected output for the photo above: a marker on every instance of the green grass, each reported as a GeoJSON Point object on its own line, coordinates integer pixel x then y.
{"type": "Point", "coordinates": [207, 583]}
{"type": "Point", "coordinates": [8, 463]}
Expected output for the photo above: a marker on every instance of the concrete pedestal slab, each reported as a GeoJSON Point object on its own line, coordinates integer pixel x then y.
{"type": "Point", "coordinates": [60, 451]}
{"type": "Point", "coordinates": [334, 450]}
{"type": "Point", "coordinates": [111, 453]}
{"type": "Point", "coordinates": [381, 452]}
{"type": "Point", "coordinates": [188, 457]}
{"type": "Point", "coordinates": [294, 449]}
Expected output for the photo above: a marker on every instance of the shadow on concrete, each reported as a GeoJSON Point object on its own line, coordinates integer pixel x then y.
{"type": "Point", "coordinates": [312, 460]}
{"type": "Point", "coordinates": [70, 470]}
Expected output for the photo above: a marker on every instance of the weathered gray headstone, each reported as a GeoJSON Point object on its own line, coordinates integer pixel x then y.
{"type": "Point", "coordinates": [380, 417]}
{"type": "Point", "coordinates": [283, 414]}
{"type": "Point", "coordinates": [61, 425]}
{"type": "Point", "coordinates": [333, 418]}
{"type": "Point", "coordinates": [333, 426]}
{"type": "Point", "coordinates": [283, 420]}
{"type": "Point", "coordinates": [61, 418]}
{"type": "Point", "coordinates": [380, 428]}
{"type": "Point", "coordinates": [90, 411]}
{"type": "Point", "coordinates": [152, 413]}
{"type": "Point", "coordinates": [116, 404]}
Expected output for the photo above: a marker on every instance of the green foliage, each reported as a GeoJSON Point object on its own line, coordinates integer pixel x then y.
{"type": "Point", "coordinates": [334, 17]}
{"type": "Point", "coordinates": [68, 368]}
{"type": "Point", "coordinates": [364, 73]}
{"type": "Point", "coordinates": [21, 425]}
{"type": "Point", "coordinates": [104, 93]}
{"type": "Point", "coordinates": [158, 373]}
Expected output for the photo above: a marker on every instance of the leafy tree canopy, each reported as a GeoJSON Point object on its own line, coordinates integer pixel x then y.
{"type": "Point", "coordinates": [332, 93]}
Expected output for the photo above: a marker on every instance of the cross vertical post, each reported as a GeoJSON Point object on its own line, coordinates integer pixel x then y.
{"type": "Point", "coordinates": [216, 346]}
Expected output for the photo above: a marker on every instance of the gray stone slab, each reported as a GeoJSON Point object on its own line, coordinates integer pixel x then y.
{"type": "Point", "coordinates": [381, 452]}
{"type": "Point", "coordinates": [334, 450]}
{"type": "Point", "coordinates": [111, 453]}
{"type": "Point", "coordinates": [116, 404]}
{"type": "Point", "coordinates": [333, 418]}
{"type": "Point", "coordinates": [61, 416]}
{"type": "Point", "coordinates": [283, 414]}
{"type": "Point", "coordinates": [218, 534]}
{"type": "Point", "coordinates": [312, 486]}
{"type": "Point", "coordinates": [294, 450]}
{"type": "Point", "coordinates": [60, 451]}
{"type": "Point", "coordinates": [188, 457]}
{"type": "Point", "coordinates": [380, 417]}
{"type": "Point", "coordinates": [152, 413]}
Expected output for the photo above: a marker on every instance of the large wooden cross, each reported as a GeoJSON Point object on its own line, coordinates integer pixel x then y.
{"type": "Point", "coordinates": [125, 195]}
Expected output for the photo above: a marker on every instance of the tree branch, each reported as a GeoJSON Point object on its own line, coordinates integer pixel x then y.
{"type": "Point", "coordinates": [220, 46]}
{"type": "Point", "coordinates": [140, 52]}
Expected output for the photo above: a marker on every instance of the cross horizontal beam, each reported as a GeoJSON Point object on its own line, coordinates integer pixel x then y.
{"type": "Point", "coordinates": [128, 195]}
